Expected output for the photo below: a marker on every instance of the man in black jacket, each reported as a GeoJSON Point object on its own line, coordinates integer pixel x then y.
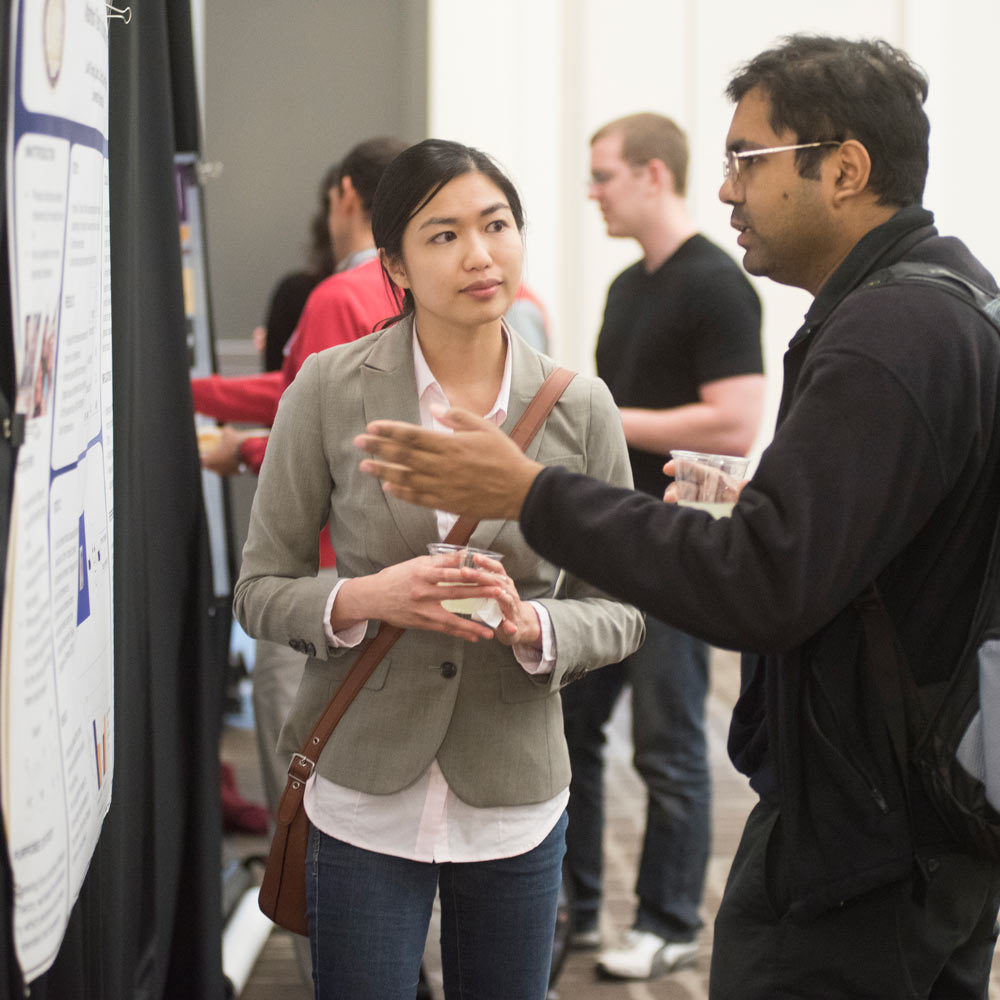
{"type": "Point", "coordinates": [884, 467]}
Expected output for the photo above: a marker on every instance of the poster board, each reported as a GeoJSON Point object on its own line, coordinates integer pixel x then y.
{"type": "Point", "coordinates": [56, 660]}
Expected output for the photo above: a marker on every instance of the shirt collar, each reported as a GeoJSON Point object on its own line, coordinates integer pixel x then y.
{"type": "Point", "coordinates": [429, 390]}
{"type": "Point", "coordinates": [354, 259]}
{"type": "Point", "coordinates": [879, 247]}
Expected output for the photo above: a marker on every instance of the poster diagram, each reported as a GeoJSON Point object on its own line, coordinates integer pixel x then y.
{"type": "Point", "coordinates": [56, 661]}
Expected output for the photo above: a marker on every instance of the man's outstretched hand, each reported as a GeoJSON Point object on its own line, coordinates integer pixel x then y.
{"type": "Point", "coordinates": [476, 471]}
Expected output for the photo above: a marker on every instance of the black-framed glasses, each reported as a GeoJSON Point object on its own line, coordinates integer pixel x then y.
{"type": "Point", "coordinates": [732, 160]}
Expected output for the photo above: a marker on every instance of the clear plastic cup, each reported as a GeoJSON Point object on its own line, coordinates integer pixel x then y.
{"type": "Point", "coordinates": [208, 438]}
{"type": "Point", "coordinates": [708, 482]}
{"type": "Point", "coordinates": [484, 609]}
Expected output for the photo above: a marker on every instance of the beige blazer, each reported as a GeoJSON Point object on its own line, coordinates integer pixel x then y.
{"type": "Point", "coordinates": [495, 730]}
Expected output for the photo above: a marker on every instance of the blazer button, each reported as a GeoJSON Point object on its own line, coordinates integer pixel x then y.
{"type": "Point", "coordinates": [448, 669]}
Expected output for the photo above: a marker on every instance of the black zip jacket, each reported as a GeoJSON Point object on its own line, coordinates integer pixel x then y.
{"type": "Point", "coordinates": [885, 466]}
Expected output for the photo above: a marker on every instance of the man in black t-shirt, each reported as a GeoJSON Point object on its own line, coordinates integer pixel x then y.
{"type": "Point", "coordinates": [680, 350]}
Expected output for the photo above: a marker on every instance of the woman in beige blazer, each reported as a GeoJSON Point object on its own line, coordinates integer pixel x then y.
{"type": "Point", "coordinates": [450, 770]}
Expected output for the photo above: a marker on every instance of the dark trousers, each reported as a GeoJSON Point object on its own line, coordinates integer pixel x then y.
{"type": "Point", "coordinates": [884, 945]}
{"type": "Point", "coordinates": [668, 675]}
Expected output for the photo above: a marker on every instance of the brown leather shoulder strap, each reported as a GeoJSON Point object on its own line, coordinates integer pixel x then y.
{"type": "Point", "coordinates": [537, 411]}
{"type": "Point", "coordinates": [522, 434]}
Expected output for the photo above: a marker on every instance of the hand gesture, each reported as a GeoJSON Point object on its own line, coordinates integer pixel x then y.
{"type": "Point", "coordinates": [477, 470]}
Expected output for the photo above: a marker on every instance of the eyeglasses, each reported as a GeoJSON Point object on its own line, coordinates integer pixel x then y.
{"type": "Point", "coordinates": [732, 161]}
{"type": "Point", "coordinates": [598, 178]}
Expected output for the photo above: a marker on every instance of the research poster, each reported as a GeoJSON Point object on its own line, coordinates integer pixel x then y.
{"type": "Point", "coordinates": [56, 663]}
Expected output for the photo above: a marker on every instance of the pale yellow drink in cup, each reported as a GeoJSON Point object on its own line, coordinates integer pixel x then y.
{"type": "Point", "coordinates": [485, 609]}
{"type": "Point", "coordinates": [708, 482]}
{"type": "Point", "coordinates": [208, 438]}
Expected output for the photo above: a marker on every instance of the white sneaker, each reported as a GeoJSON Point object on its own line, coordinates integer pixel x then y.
{"type": "Point", "coordinates": [643, 955]}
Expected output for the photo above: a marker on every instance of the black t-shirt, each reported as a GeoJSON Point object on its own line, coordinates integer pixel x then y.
{"type": "Point", "coordinates": [695, 319]}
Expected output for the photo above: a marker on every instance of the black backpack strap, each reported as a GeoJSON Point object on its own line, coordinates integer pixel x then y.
{"type": "Point", "coordinates": [988, 304]}
{"type": "Point", "coordinates": [910, 731]}
{"type": "Point", "coordinates": [945, 280]}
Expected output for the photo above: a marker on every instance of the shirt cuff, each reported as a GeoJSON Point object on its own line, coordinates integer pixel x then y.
{"type": "Point", "coordinates": [531, 658]}
{"type": "Point", "coordinates": [345, 638]}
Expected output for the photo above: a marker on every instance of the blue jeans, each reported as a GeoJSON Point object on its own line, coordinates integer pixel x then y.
{"type": "Point", "coordinates": [369, 913]}
{"type": "Point", "coordinates": [669, 679]}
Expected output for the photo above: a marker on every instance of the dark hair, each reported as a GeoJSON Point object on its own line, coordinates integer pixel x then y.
{"type": "Point", "coordinates": [320, 250]}
{"type": "Point", "coordinates": [648, 136]}
{"type": "Point", "coordinates": [365, 164]}
{"type": "Point", "coordinates": [412, 180]}
{"type": "Point", "coordinates": [824, 88]}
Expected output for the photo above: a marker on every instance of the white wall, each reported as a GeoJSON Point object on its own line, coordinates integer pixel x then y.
{"type": "Point", "coordinates": [530, 80]}
{"type": "Point", "coordinates": [288, 90]}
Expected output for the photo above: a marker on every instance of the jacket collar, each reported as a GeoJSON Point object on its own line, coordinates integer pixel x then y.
{"type": "Point", "coordinates": [879, 247]}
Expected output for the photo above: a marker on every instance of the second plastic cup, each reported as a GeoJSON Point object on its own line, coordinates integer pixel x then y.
{"type": "Point", "coordinates": [485, 609]}
{"type": "Point", "coordinates": [708, 482]}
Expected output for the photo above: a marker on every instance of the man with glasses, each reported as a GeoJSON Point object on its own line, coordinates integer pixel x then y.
{"type": "Point", "coordinates": [884, 468]}
{"type": "Point", "coordinates": [680, 350]}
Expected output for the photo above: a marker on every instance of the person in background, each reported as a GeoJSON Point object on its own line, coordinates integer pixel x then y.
{"type": "Point", "coordinates": [450, 767]}
{"type": "Point", "coordinates": [290, 294]}
{"type": "Point", "coordinates": [347, 305]}
{"type": "Point", "coordinates": [528, 315]}
{"type": "Point", "coordinates": [680, 350]}
{"type": "Point", "coordinates": [885, 466]}
{"type": "Point", "coordinates": [343, 307]}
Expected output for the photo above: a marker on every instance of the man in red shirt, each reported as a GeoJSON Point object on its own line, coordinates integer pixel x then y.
{"type": "Point", "coordinates": [344, 307]}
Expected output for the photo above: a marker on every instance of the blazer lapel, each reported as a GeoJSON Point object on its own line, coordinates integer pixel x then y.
{"type": "Point", "coordinates": [389, 393]}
